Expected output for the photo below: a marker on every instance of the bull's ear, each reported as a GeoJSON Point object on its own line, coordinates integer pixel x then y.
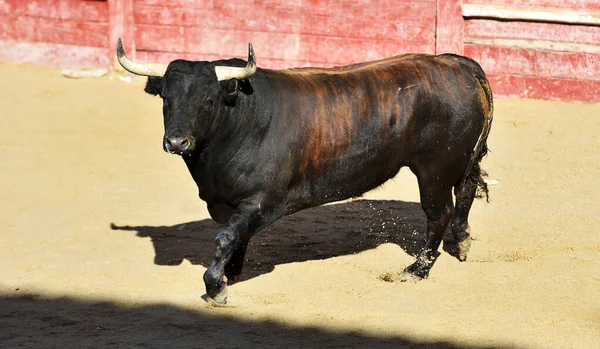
{"type": "Point", "coordinates": [230, 91]}
{"type": "Point", "coordinates": [153, 85]}
{"type": "Point", "coordinates": [232, 88]}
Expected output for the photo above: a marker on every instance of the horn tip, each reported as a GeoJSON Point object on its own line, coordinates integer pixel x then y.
{"type": "Point", "coordinates": [251, 56]}
{"type": "Point", "coordinates": [120, 50]}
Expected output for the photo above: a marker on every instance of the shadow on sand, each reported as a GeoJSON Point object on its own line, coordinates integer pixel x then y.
{"type": "Point", "coordinates": [29, 321]}
{"type": "Point", "coordinates": [317, 233]}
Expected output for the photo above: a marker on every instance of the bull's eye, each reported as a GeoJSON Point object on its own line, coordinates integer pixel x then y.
{"type": "Point", "coordinates": [208, 102]}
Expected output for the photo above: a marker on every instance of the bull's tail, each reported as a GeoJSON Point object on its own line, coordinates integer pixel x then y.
{"type": "Point", "coordinates": [473, 175]}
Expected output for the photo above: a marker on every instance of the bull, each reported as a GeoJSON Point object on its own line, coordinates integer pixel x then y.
{"type": "Point", "coordinates": [261, 144]}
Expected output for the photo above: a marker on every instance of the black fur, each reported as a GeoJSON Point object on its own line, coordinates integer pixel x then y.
{"type": "Point", "coordinates": [153, 85]}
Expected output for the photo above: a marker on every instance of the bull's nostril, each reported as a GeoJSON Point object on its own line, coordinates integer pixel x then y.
{"type": "Point", "coordinates": [185, 144]}
{"type": "Point", "coordinates": [178, 145]}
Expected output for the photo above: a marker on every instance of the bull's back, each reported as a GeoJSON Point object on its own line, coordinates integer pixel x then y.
{"type": "Point", "coordinates": [358, 125]}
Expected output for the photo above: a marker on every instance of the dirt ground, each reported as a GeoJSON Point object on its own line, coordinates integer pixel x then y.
{"type": "Point", "coordinates": [104, 242]}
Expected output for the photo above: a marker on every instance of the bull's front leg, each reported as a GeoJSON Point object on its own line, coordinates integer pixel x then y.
{"type": "Point", "coordinates": [231, 243]}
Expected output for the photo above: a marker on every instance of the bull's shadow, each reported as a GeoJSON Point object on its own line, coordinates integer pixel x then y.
{"type": "Point", "coordinates": [317, 233]}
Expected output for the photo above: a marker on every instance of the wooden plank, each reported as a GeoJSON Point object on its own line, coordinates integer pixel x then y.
{"type": "Point", "coordinates": [531, 14]}
{"type": "Point", "coordinates": [504, 85]}
{"type": "Point", "coordinates": [520, 61]}
{"type": "Point", "coordinates": [122, 26]}
{"type": "Point", "coordinates": [339, 7]}
{"type": "Point", "coordinates": [54, 31]}
{"type": "Point", "coordinates": [409, 21]}
{"type": "Point", "coordinates": [292, 47]}
{"type": "Point", "coordinates": [449, 27]}
{"type": "Point", "coordinates": [576, 34]}
{"type": "Point", "coordinates": [72, 10]}
{"type": "Point", "coordinates": [574, 5]}
{"type": "Point", "coordinates": [53, 55]}
{"type": "Point", "coordinates": [536, 45]}
{"type": "Point", "coordinates": [233, 12]}
{"type": "Point", "coordinates": [177, 3]}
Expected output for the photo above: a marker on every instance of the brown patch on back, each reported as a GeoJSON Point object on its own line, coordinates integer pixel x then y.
{"type": "Point", "coordinates": [334, 103]}
{"type": "Point", "coordinates": [329, 130]}
{"type": "Point", "coordinates": [343, 105]}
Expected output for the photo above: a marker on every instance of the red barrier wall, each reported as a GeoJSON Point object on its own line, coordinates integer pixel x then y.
{"type": "Point", "coordinates": [54, 32]}
{"type": "Point", "coordinates": [523, 57]}
{"type": "Point", "coordinates": [538, 59]}
{"type": "Point", "coordinates": [284, 33]}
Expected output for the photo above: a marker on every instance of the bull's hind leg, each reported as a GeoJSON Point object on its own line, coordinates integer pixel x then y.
{"type": "Point", "coordinates": [470, 187]}
{"type": "Point", "coordinates": [436, 200]}
{"type": "Point", "coordinates": [465, 194]}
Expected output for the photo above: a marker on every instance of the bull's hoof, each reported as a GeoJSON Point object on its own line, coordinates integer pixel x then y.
{"type": "Point", "coordinates": [406, 276]}
{"type": "Point", "coordinates": [217, 294]}
{"type": "Point", "coordinates": [415, 272]}
{"type": "Point", "coordinates": [463, 248]}
{"type": "Point", "coordinates": [459, 250]}
{"type": "Point", "coordinates": [218, 300]}
{"type": "Point", "coordinates": [419, 270]}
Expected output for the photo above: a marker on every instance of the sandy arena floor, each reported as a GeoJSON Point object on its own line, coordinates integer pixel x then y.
{"type": "Point", "coordinates": [77, 156]}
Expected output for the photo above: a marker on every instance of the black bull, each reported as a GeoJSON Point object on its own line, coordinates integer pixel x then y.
{"type": "Point", "coordinates": [266, 143]}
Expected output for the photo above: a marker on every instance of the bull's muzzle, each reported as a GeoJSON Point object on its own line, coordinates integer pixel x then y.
{"type": "Point", "coordinates": [179, 145]}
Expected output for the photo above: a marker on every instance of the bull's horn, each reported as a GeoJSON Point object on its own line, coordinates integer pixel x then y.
{"type": "Point", "coordinates": [138, 68]}
{"type": "Point", "coordinates": [226, 73]}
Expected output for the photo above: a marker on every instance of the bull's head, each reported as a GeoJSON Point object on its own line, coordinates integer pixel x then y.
{"type": "Point", "coordinates": [192, 94]}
